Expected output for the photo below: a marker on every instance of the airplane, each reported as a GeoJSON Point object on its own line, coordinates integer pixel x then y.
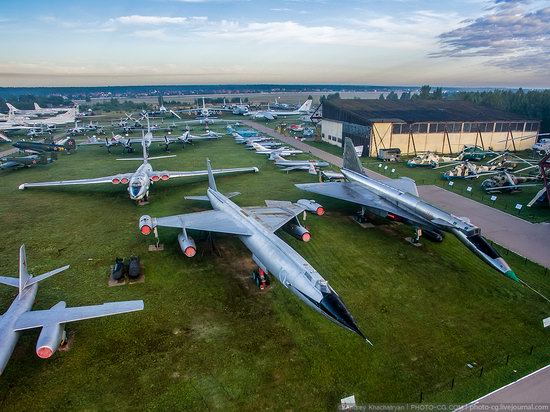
{"type": "Point", "coordinates": [20, 317]}
{"type": "Point", "coordinates": [140, 181]}
{"type": "Point", "coordinates": [285, 151]}
{"type": "Point", "coordinates": [37, 111]}
{"type": "Point", "coordinates": [128, 142]}
{"type": "Point", "coordinates": [273, 114]}
{"type": "Point", "coordinates": [397, 200]}
{"type": "Point", "coordinates": [53, 110]}
{"type": "Point", "coordinates": [18, 123]}
{"type": "Point", "coordinates": [256, 227]}
{"type": "Point", "coordinates": [68, 145]}
{"type": "Point", "coordinates": [242, 132]}
{"type": "Point", "coordinates": [77, 130]}
{"type": "Point", "coordinates": [16, 162]}
{"type": "Point", "coordinates": [288, 165]}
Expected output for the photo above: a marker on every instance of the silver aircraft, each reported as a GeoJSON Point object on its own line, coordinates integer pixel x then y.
{"type": "Point", "coordinates": [397, 199]}
{"type": "Point", "coordinates": [310, 165]}
{"type": "Point", "coordinates": [255, 227]}
{"type": "Point", "coordinates": [283, 151]}
{"type": "Point", "coordinates": [139, 181]}
{"type": "Point", "coordinates": [19, 316]}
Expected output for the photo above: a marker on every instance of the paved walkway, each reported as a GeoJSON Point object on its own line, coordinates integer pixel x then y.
{"type": "Point", "coordinates": [531, 389]}
{"type": "Point", "coordinates": [530, 240]}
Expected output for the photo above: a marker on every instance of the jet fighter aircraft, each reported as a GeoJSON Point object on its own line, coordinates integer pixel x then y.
{"type": "Point", "coordinates": [19, 316]}
{"type": "Point", "coordinates": [310, 165]}
{"type": "Point", "coordinates": [255, 227]}
{"type": "Point", "coordinates": [139, 181]}
{"type": "Point", "coordinates": [285, 151]}
{"type": "Point", "coordinates": [397, 199]}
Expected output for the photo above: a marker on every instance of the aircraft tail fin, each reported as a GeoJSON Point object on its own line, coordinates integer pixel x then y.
{"type": "Point", "coordinates": [351, 160]}
{"type": "Point", "coordinates": [36, 106]}
{"type": "Point", "coordinates": [306, 106]}
{"type": "Point", "coordinates": [11, 107]}
{"type": "Point", "coordinates": [211, 180]}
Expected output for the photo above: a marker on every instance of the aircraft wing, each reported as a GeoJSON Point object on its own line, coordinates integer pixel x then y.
{"type": "Point", "coordinates": [275, 215]}
{"type": "Point", "coordinates": [295, 167]}
{"type": "Point", "coordinates": [208, 221]}
{"type": "Point", "coordinates": [205, 172]}
{"type": "Point", "coordinates": [60, 315]}
{"type": "Point", "coordinates": [92, 181]}
{"type": "Point", "coordinates": [342, 190]}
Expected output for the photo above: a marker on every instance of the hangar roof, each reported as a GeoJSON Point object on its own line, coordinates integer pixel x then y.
{"type": "Point", "coordinates": [361, 111]}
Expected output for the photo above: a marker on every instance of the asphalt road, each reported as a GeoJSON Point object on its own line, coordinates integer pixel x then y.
{"type": "Point", "coordinates": [527, 239]}
{"type": "Point", "coordinates": [531, 389]}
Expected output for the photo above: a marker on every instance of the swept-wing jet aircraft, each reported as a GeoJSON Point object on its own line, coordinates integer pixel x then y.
{"type": "Point", "coordinates": [289, 165]}
{"type": "Point", "coordinates": [397, 199]}
{"type": "Point", "coordinates": [285, 151]}
{"type": "Point", "coordinates": [255, 227]}
{"type": "Point", "coordinates": [273, 114]}
{"type": "Point", "coordinates": [37, 111]}
{"type": "Point", "coordinates": [19, 316]}
{"type": "Point", "coordinates": [140, 181]}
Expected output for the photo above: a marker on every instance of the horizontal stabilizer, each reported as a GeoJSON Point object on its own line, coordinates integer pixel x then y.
{"type": "Point", "coordinates": [36, 279]}
{"type": "Point", "coordinates": [9, 281]}
{"type": "Point", "coordinates": [200, 198]}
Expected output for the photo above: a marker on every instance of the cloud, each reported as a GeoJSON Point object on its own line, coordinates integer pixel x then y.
{"type": "Point", "coordinates": [156, 20]}
{"type": "Point", "coordinates": [509, 36]}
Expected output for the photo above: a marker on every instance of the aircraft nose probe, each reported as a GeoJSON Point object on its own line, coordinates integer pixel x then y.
{"type": "Point", "coordinates": [333, 306]}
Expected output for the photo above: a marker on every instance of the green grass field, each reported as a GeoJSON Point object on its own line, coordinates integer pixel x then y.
{"type": "Point", "coordinates": [208, 339]}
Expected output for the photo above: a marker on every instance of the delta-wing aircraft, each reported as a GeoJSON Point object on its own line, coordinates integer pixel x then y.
{"type": "Point", "coordinates": [273, 114]}
{"type": "Point", "coordinates": [397, 199]}
{"type": "Point", "coordinates": [19, 316]}
{"type": "Point", "coordinates": [140, 181]}
{"type": "Point", "coordinates": [256, 227]}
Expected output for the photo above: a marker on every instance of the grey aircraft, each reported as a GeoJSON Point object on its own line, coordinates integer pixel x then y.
{"type": "Point", "coordinates": [397, 199]}
{"type": "Point", "coordinates": [19, 316]}
{"type": "Point", "coordinates": [139, 181]}
{"type": "Point", "coordinates": [255, 227]}
{"type": "Point", "coordinates": [288, 165]}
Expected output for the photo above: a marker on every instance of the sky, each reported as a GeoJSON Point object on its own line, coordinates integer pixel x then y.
{"type": "Point", "coordinates": [470, 43]}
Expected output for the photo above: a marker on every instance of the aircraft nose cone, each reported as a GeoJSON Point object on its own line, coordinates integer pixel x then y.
{"type": "Point", "coordinates": [512, 275]}
{"type": "Point", "coordinates": [333, 306]}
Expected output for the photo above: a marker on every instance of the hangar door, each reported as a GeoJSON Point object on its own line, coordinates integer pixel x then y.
{"type": "Point", "coordinates": [359, 134]}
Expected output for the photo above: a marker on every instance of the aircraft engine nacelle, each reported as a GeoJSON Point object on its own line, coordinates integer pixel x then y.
{"type": "Point", "coordinates": [49, 340]}
{"type": "Point", "coordinates": [298, 231]}
{"type": "Point", "coordinates": [312, 206]}
{"type": "Point", "coordinates": [146, 225]}
{"type": "Point", "coordinates": [187, 245]}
